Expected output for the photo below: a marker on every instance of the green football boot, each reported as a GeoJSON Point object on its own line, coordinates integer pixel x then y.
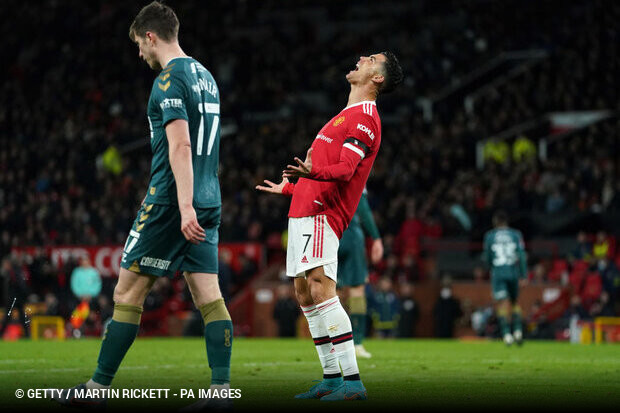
{"type": "Point", "coordinates": [322, 388]}
{"type": "Point", "coordinates": [349, 390]}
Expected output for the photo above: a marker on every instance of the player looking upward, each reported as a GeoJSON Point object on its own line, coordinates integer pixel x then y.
{"type": "Point", "coordinates": [504, 253]}
{"type": "Point", "coordinates": [177, 225]}
{"type": "Point", "coordinates": [353, 271]}
{"type": "Point", "coordinates": [331, 181]}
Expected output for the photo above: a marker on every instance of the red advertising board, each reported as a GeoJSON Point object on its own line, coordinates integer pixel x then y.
{"type": "Point", "coordinates": [106, 258]}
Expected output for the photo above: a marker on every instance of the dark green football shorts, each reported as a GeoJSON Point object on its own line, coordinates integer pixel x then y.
{"type": "Point", "coordinates": [352, 264]}
{"type": "Point", "coordinates": [156, 245]}
{"type": "Point", "coordinates": [505, 288]}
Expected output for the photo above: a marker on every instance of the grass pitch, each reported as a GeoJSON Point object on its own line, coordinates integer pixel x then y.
{"type": "Point", "coordinates": [420, 374]}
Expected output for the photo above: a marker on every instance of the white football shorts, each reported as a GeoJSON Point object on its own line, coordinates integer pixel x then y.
{"type": "Point", "coordinates": [311, 244]}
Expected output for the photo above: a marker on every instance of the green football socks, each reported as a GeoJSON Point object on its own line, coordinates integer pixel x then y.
{"type": "Point", "coordinates": [119, 335]}
{"type": "Point", "coordinates": [357, 313]}
{"type": "Point", "coordinates": [517, 324]}
{"type": "Point", "coordinates": [504, 327]}
{"type": "Point", "coordinates": [218, 338]}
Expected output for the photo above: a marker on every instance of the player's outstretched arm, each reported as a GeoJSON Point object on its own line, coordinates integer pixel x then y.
{"type": "Point", "coordinates": [284, 187]}
{"type": "Point", "coordinates": [341, 171]}
{"type": "Point", "coordinates": [180, 155]}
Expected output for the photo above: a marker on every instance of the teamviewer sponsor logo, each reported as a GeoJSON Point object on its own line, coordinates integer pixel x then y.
{"type": "Point", "coordinates": [366, 130]}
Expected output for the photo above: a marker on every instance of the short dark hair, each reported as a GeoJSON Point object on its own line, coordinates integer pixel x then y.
{"type": "Point", "coordinates": [158, 18]}
{"type": "Point", "coordinates": [500, 218]}
{"type": "Point", "coordinates": [393, 73]}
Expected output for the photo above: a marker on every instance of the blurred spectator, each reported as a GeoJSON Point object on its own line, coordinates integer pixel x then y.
{"type": "Point", "coordinates": [384, 309]}
{"type": "Point", "coordinates": [446, 312]}
{"type": "Point", "coordinates": [51, 304]}
{"type": "Point", "coordinates": [538, 274]}
{"type": "Point", "coordinates": [610, 277]}
{"type": "Point", "coordinates": [497, 151]}
{"type": "Point", "coordinates": [583, 249]}
{"type": "Point", "coordinates": [286, 311]}
{"type": "Point", "coordinates": [523, 150]}
{"type": "Point", "coordinates": [555, 202]}
{"type": "Point", "coordinates": [602, 246]}
{"type": "Point", "coordinates": [85, 281]}
{"type": "Point", "coordinates": [602, 307]}
{"type": "Point", "coordinates": [538, 326]}
{"type": "Point", "coordinates": [576, 309]}
{"type": "Point", "coordinates": [408, 271]}
{"type": "Point", "coordinates": [409, 312]}
{"type": "Point", "coordinates": [411, 230]}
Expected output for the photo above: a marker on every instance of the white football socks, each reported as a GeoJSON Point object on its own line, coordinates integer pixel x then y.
{"type": "Point", "coordinates": [322, 341]}
{"type": "Point", "coordinates": [339, 329]}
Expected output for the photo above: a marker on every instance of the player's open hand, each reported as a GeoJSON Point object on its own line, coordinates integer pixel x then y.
{"type": "Point", "coordinates": [302, 169]}
{"type": "Point", "coordinates": [376, 251]}
{"type": "Point", "coordinates": [271, 187]}
{"type": "Point", "coordinates": [192, 231]}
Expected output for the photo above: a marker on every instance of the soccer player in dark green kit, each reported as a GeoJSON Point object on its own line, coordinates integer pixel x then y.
{"type": "Point", "coordinates": [353, 271]}
{"type": "Point", "coordinates": [176, 228]}
{"type": "Point", "coordinates": [504, 253]}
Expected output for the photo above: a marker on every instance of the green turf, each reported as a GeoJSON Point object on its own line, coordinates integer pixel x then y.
{"type": "Point", "coordinates": [420, 373]}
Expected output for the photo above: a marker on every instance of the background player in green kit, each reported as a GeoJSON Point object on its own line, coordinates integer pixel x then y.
{"type": "Point", "coordinates": [504, 253]}
{"type": "Point", "coordinates": [353, 268]}
{"type": "Point", "coordinates": [177, 225]}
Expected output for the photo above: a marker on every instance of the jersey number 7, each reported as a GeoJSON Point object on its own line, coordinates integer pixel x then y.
{"type": "Point", "coordinates": [307, 241]}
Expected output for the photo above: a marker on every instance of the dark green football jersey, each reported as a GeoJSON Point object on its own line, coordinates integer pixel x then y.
{"type": "Point", "coordinates": [185, 90]}
{"type": "Point", "coordinates": [363, 222]}
{"type": "Point", "coordinates": [504, 252]}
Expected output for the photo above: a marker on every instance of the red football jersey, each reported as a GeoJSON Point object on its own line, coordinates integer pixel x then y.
{"type": "Point", "coordinates": [342, 156]}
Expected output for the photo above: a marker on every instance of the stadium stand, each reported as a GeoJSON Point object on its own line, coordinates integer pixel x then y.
{"type": "Point", "coordinates": [74, 155]}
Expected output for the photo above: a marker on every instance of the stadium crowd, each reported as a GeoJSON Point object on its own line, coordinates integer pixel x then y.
{"type": "Point", "coordinates": [70, 97]}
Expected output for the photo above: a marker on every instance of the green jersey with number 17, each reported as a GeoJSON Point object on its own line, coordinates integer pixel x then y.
{"type": "Point", "coordinates": [504, 252]}
{"type": "Point", "coordinates": [185, 90]}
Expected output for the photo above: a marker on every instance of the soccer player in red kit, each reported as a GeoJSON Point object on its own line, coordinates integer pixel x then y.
{"type": "Point", "coordinates": [330, 185]}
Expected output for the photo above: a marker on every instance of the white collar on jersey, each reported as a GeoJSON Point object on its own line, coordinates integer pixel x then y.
{"type": "Point", "coordinates": [361, 103]}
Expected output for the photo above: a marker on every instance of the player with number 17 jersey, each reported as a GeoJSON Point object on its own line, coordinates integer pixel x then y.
{"type": "Point", "coordinates": [184, 89]}
{"type": "Point", "coordinates": [176, 227]}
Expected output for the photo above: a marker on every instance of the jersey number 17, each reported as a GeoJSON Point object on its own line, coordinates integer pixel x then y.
{"type": "Point", "coordinates": [206, 110]}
